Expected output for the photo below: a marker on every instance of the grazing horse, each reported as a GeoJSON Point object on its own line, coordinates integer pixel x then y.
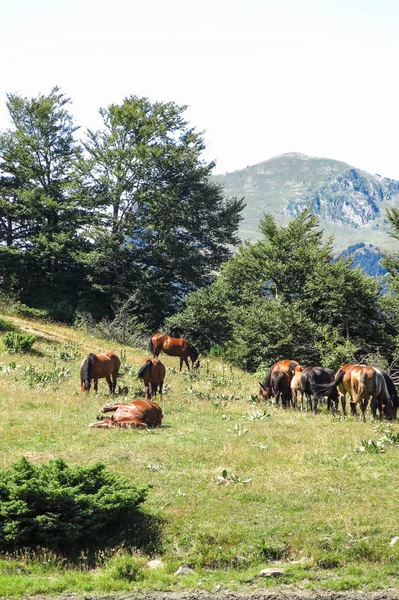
{"type": "Point", "coordinates": [95, 367]}
{"type": "Point", "coordinates": [139, 413]}
{"type": "Point", "coordinates": [267, 386]}
{"type": "Point", "coordinates": [174, 347]}
{"type": "Point", "coordinates": [312, 377]}
{"type": "Point", "coordinates": [152, 372]}
{"type": "Point", "coordinates": [392, 393]}
{"type": "Point", "coordinates": [362, 382]}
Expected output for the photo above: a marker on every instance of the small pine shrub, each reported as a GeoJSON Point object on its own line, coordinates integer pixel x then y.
{"type": "Point", "coordinates": [66, 509]}
{"type": "Point", "coordinates": [21, 310]}
{"type": "Point", "coordinates": [17, 343]}
{"type": "Point", "coordinates": [6, 325]}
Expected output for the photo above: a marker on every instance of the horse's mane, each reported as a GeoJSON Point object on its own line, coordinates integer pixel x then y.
{"type": "Point", "coordinates": [144, 367]}
{"type": "Point", "coordinates": [151, 346]}
{"type": "Point", "coordinates": [267, 379]}
{"type": "Point", "coordinates": [85, 368]}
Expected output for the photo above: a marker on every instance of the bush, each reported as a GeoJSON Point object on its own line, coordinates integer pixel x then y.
{"type": "Point", "coordinates": [21, 310]}
{"type": "Point", "coordinates": [66, 509]}
{"type": "Point", "coordinates": [6, 325]}
{"type": "Point", "coordinates": [18, 342]}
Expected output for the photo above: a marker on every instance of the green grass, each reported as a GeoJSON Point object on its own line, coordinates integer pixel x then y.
{"type": "Point", "coordinates": [236, 485]}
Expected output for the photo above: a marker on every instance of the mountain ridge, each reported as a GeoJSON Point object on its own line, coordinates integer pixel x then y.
{"type": "Point", "coordinates": [350, 202]}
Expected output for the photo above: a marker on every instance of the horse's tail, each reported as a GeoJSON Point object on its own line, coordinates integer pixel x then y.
{"type": "Point", "coordinates": [326, 388]}
{"type": "Point", "coordinates": [144, 367]}
{"type": "Point", "coordinates": [85, 368]}
{"type": "Point", "coordinates": [151, 347]}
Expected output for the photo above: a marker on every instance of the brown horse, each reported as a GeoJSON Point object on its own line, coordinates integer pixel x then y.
{"type": "Point", "coordinates": [139, 413]}
{"type": "Point", "coordinates": [95, 367]}
{"type": "Point", "coordinates": [362, 382]}
{"type": "Point", "coordinates": [152, 372]}
{"type": "Point", "coordinates": [174, 347]}
{"type": "Point", "coordinates": [269, 383]}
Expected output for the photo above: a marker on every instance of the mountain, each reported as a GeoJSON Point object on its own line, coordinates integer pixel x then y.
{"type": "Point", "coordinates": [350, 202]}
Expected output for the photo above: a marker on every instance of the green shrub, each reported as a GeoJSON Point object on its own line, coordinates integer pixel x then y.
{"type": "Point", "coordinates": [18, 342]}
{"type": "Point", "coordinates": [21, 310]}
{"type": "Point", "coordinates": [126, 567]}
{"type": "Point", "coordinates": [6, 325]}
{"type": "Point", "coordinates": [66, 509]}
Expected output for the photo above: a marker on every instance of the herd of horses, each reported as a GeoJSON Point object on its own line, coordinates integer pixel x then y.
{"type": "Point", "coordinates": [139, 413]}
{"type": "Point", "coordinates": [289, 382]}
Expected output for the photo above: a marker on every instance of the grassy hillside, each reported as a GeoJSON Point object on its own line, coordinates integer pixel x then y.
{"type": "Point", "coordinates": [351, 203]}
{"type": "Point", "coordinates": [237, 486]}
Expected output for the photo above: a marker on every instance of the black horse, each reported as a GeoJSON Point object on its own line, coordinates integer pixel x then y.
{"type": "Point", "coordinates": [311, 379]}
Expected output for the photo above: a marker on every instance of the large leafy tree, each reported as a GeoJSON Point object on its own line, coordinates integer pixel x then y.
{"type": "Point", "coordinates": [39, 215]}
{"type": "Point", "coordinates": [286, 297]}
{"type": "Point", "coordinates": [160, 225]}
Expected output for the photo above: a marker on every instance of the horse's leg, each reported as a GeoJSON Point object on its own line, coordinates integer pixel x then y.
{"type": "Point", "coordinates": [186, 361]}
{"type": "Point", "coordinates": [114, 376]}
{"type": "Point", "coordinates": [108, 380]}
{"type": "Point", "coordinates": [105, 424]}
{"type": "Point", "coordinates": [161, 388]}
{"type": "Point", "coordinates": [373, 407]}
{"type": "Point", "coordinates": [96, 385]}
{"type": "Point", "coordinates": [181, 363]}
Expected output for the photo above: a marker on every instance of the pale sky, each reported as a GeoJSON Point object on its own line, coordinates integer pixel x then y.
{"type": "Point", "coordinates": [260, 77]}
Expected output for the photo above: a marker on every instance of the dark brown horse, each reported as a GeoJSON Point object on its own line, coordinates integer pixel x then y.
{"type": "Point", "coordinates": [174, 347]}
{"type": "Point", "coordinates": [139, 413]}
{"type": "Point", "coordinates": [95, 367]}
{"type": "Point", "coordinates": [152, 372]}
{"type": "Point", "coordinates": [272, 383]}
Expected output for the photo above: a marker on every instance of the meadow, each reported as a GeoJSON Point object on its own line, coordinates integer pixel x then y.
{"type": "Point", "coordinates": [236, 485]}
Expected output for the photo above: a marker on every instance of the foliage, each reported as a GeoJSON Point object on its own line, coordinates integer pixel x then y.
{"type": "Point", "coordinates": [64, 508]}
{"type": "Point", "coordinates": [40, 218]}
{"type": "Point", "coordinates": [160, 225]}
{"type": "Point", "coordinates": [6, 325]}
{"type": "Point", "coordinates": [21, 310]}
{"type": "Point", "coordinates": [34, 377]}
{"type": "Point", "coordinates": [16, 343]}
{"type": "Point", "coordinates": [286, 296]}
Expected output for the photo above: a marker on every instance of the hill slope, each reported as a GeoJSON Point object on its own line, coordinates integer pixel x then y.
{"type": "Point", "coordinates": [236, 485]}
{"type": "Point", "coordinates": [351, 203]}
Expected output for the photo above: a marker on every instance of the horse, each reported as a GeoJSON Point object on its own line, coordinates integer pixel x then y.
{"type": "Point", "coordinates": [283, 366]}
{"type": "Point", "coordinates": [139, 413]}
{"type": "Point", "coordinates": [296, 387]}
{"type": "Point", "coordinates": [392, 393]}
{"type": "Point", "coordinates": [95, 367]}
{"type": "Point", "coordinates": [152, 372]}
{"type": "Point", "coordinates": [312, 377]}
{"type": "Point", "coordinates": [362, 382]}
{"type": "Point", "coordinates": [174, 347]}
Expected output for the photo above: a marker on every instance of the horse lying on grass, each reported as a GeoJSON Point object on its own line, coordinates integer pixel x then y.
{"type": "Point", "coordinates": [140, 413]}
{"type": "Point", "coordinates": [95, 367]}
{"type": "Point", "coordinates": [152, 372]}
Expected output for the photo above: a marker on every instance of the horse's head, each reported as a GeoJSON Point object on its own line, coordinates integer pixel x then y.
{"type": "Point", "coordinates": [197, 364]}
{"type": "Point", "coordinates": [85, 385]}
{"type": "Point", "coordinates": [194, 355]}
{"type": "Point", "coordinates": [264, 392]}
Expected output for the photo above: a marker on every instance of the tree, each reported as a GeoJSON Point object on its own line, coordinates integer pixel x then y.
{"type": "Point", "coordinates": [160, 226]}
{"type": "Point", "coordinates": [39, 215]}
{"type": "Point", "coordinates": [284, 297]}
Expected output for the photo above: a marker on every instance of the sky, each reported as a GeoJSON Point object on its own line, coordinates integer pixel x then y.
{"type": "Point", "coordinates": [259, 77]}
